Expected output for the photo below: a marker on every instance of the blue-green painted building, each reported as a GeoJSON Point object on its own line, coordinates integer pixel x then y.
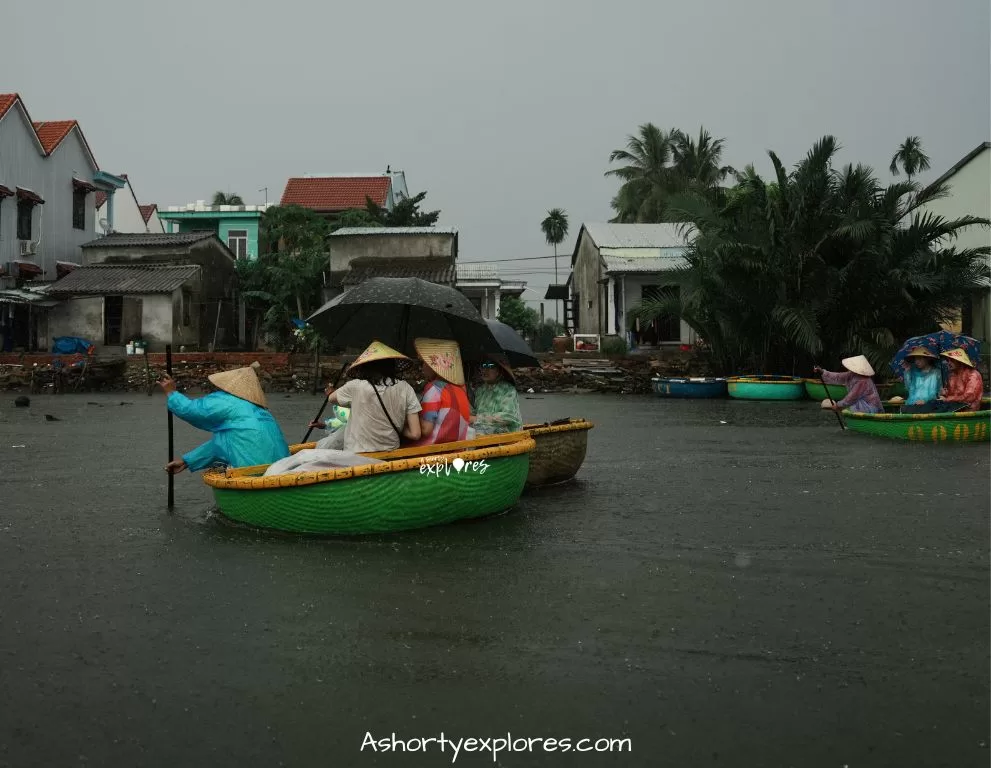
{"type": "Point", "coordinates": [235, 225]}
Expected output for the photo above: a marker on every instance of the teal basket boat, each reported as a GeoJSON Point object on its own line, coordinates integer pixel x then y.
{"type": "Point", "coordinates": [414, 488]}
{"type": "Point", "coordinates": [766, 387]}
{"type": "Point", "coordinates": [961, 427]}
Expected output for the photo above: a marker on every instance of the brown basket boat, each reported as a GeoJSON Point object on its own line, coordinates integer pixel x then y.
{"type": "Point", "coordinates": [560, 450]}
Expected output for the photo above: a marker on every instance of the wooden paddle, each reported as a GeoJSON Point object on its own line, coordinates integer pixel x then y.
{"type": "Point", "coordinates": [168, 370]}
{"type": "Point", "coordinates": [326, 400]}
{"type": "Point", "coordinates": [830, 398]}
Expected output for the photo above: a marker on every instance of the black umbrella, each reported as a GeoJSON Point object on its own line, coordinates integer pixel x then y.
{"type": "Point", "coordinates": [514, 347]}
{"type": "Point", "coordinates": [397, 310]}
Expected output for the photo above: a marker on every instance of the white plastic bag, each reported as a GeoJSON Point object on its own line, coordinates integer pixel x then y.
{"type": "Point", "coordinates": [318, 460]}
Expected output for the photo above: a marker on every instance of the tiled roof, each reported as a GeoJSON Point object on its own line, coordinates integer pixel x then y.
{"type": "Point", "coordinates": [7, 101]}
{"type": "Point", "coordinates": [469, 271]}
{"type": "Point", "coordinates": [104, 279]}
{"type": "Point", "coordinates": [646, 264]}
{"type": "Point", "coordinates": [146, 240]}
{"type": "Point", "coordinates": [372, 231]}
{"type": "Point", "coordinates": [433, 271]}
{"type": "Point", "coordinates": [336, 193]}
{"type": "Point", "coordinates": [147, 211]}
{"type": "Point", "coordinates": [50, 134]}
{"type": "Point", "coordinates": [101, 198]}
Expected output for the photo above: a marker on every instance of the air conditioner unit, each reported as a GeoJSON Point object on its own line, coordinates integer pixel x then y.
{"type": "Point", "coordinates": [29, 247]}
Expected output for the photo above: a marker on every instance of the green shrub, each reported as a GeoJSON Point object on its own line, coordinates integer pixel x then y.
{"type": "Point", "coordinates": [614, 346]}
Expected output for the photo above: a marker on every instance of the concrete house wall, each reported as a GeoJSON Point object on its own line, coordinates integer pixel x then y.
{"type": "Point", "coordinates": [970, 195]}
{"type": "Point", "coordinates": [22, 164]}
{"type": "Point", "coordinates": [348, 247]}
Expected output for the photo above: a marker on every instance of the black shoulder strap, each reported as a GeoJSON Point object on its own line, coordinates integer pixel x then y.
{"type": "Point", "coordinates": [385, 411]}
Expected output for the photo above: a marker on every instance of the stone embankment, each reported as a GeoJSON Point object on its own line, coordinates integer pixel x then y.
{"type": "Point", "coordinates": [282, 372]}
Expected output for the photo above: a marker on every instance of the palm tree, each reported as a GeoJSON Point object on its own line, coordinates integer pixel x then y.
{"type": "Point", "coordinates": [911, 158]}
{"type": "Point", "coordinates": [221, 198]}
{"type": "Point", "coordinates": [647, 175]}
{"type": "Point", "coordinates": [823, 263]}
{"type": "Point", "coordinates": [555, 228]}
{"type": "Point", "coordinates": [661, 164]}
{"type": "Point", "coordinates": [699, 162]}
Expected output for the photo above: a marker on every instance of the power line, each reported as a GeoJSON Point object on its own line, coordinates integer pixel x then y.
{"type": "Point", "coordinates": [521, 258]}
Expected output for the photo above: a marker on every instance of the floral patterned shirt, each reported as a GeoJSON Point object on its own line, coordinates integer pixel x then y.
{"type": "Point", "coordinates": [497, 409]}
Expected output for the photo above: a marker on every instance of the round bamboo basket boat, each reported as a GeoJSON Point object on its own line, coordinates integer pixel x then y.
{"type": "Point", "coordinates": [689, 388]}
{"type": "Point", "coordinates": [766, 387]}
{"type": "Point", "coordinates": [960, 427]}
{"type": "Point", "coordinates": [414, 488]}
{"type": "Point", "coordinates": [559, 451]}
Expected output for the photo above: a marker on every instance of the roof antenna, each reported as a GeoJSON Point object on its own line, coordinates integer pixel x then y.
{"type": "Point", "coordinates": [388, 169]}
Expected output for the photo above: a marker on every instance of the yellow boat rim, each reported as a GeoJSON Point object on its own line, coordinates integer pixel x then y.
{"type": "Point", "coordinates": [914, 416]}
{"type": "Point", "coordinates": [540, 429]}
{"type": "Point", "coordinates": [401, 460]}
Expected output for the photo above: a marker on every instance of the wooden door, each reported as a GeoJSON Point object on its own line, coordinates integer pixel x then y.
{"type": "Point", "coordinates": [130, 320]}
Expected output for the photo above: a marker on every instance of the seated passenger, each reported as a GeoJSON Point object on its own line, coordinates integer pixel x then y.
{"type": "Point", "coordinates": [922, 378]}
{"type": "Point", "coordinates": [965, 387]}
{"type": "Point", "coordinates": [497, 405]}
{"type": "Point", "coordinates": [383, 407]}
{"type": "Point", "coordinates": [446, 410]}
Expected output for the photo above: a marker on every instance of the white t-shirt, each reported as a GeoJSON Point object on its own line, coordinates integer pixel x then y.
{"type": "Point", "coordinates": [368, 429]}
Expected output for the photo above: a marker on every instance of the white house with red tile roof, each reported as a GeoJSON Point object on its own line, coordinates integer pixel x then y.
{"type": "Point", "coordinates": [129, 215]}
{"type": "Point", "coordinates": [334, 194]}
{"type": "Point", "coordinates": [48, 181]}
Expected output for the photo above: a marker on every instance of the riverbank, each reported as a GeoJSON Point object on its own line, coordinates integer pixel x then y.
{"type": "Point", "coordinates": [287, 373]}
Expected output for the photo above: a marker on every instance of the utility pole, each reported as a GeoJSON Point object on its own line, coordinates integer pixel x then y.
{"type": "Point", "coordinates": [265, 190]}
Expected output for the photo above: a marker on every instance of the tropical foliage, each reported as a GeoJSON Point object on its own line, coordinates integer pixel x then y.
{"type": "Point", "coordinates": [819, 264]}
{"type": "Point", "coordinates": [286, 280]}
{"type": "Point", "coordinates": [659, 164]}
{"type": "Point", "coordinates": [226, 198]}
{"type": "Point", "coordinates": [555, 229]}
{"type": "Point", "coordinates": [910, 157]}
{"type": "Point", "coordinates": [405, 213]}
{"type": "Point", "coordinates": [514, 313]}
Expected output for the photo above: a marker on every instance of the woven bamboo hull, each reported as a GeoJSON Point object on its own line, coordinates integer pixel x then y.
{"type": "Point", "coordinates": [698, 388]}
{"type": "Point", "coordinates": [766, 387]}
{"type": "Point", "coordinates": [380, 498]}
{"type": "Point", "coordinates": [965, 427]}
{"type": "Point", "coordinates": [559, 452]}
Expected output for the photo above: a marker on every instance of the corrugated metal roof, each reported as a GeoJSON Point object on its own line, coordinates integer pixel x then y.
{"type": "Point", "coordinates": [431, 271]}
{"type": "Point", "coordinates": [23, 296]}
{"type": "Point", "coordinates": [469, 271]}
{"type": "Point", "coordinates": [350, 231]}
{"type": "Point", "coordinates": [148, 240]}
{"type": "Point", "coordinates": [617, 264]}
{"type": "Point", "coordinates": [636, 235]}
{"type": "Point", "coordinates": [116, 279]}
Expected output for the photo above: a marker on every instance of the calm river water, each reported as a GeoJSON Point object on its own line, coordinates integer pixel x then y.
{"type": "Point", "coordinates": [726, 584]}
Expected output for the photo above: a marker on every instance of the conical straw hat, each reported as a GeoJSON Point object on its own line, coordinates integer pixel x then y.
{"type": "Point", "coordinates": [858, 365]}
{"type": "Point", "coordinates": [960, 356]}
{"type": "Point", "coordinates": [444, 358]}
{"type": "Point", "coordinates": [920, 352]}
{"type": "Point", "coordinates": [503, 363]}
{"type": "Point", "coordinates": [241, 382]}
{"type": "Point", "coordinates": [376, 351]}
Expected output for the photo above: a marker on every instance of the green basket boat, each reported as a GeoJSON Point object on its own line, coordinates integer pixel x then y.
{"type": "Point", "coordinates": [766, 387]}
{"type": "Point", "coordinates": [961, 427]}
{"type": "Point", "coordinates": [557, 456]}
{"type": "Point", "coordinates": [414, 488]}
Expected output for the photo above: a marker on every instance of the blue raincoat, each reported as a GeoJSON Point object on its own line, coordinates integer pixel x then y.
{"type": "Point", "coordinates": [244, 434]}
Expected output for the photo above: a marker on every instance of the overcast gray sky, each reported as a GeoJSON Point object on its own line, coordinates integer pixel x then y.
{"type": "Point", "coordinates": [500, 110]}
